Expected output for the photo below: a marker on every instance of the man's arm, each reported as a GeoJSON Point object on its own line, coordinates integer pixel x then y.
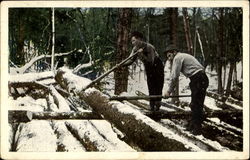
{"type": "Point", "coordinates": [130, 61]}
{"type": "Point", "coordinates": [175, 73]}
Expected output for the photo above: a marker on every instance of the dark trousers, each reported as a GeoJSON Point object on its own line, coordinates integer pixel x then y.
{"type": "Point", "coordinates": [198, 85]}
{"type": "Point", "coordinates": [155, 80]}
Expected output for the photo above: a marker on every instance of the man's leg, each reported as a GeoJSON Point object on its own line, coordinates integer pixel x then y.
{"type": "Point", "coordinates": [198, 89]}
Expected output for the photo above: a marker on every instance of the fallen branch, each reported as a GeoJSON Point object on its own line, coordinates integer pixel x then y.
{"type": "Point", "coordinates": [86, 65]}
{"type": "Point", "coordinates": [24, 68]}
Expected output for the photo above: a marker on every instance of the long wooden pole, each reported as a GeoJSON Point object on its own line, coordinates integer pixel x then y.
{"type": "Point", "coordinates": [111, 70]}
{"type": "Point", "coordinates": [119, 98]}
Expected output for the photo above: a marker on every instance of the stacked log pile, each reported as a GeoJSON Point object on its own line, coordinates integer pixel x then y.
{"type": "Point", "coordinates": [95, 123]}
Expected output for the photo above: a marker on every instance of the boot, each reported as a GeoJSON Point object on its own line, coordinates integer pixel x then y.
{"type": "Point", "coordinates": [196, 130]}
{"type": "Point", "coordinates": [157, 105]}
{"type": "Point", "coordinates": [194, 127]}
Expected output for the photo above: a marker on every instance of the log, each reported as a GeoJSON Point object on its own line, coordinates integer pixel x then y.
{"type": "Point", "coordinates": [146, 133]}
{"type": "Point", "coordinates": [68, 81]}
{"type": "Point", "coordinates": [95, 140]}
{"type": "Point", "coordinates": [59, 100]}
{"type": "Point", "coordinates": [187, 114]}
{"type": "Point", "coordinates": [19, 116]}
{"type": "Point", "coordinates": [26, 116]}
{"type": "Point", "coordinates": [201, 142]}
{"type": "Point", "coordinates": [65, 115]}
{"type": "Point", "coordinates": [66, 142]}
{"type": "Point", "coordinates": [121, 98]}
{"type": "Point", "coordinates": [35, 136]}
{"type": "Point", "coordinates": [168, 105]}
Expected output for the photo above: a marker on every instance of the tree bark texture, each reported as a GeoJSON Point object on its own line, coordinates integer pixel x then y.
{"type": "Point", "coordinates": [91, 136]}
{"type": "Point", "coordinates": [220, 49]}
{"type": "Point", "coordinates": [229, 80]}
{"type": "Point", "coordinates": [121, 74]}
{"type": "Point", "coordinates": [173, 19]}
{"type": "Point", "coordinates": [146, 133]}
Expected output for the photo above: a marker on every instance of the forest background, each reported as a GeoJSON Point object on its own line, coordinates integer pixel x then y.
{"type": "Point", "coordinates": [101, 36]}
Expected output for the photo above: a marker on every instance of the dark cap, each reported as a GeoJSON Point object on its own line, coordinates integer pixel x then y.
{"type": "Point", "coordinates": [171, 47]}
{"type": "Point", "coordinates": [137, 35]}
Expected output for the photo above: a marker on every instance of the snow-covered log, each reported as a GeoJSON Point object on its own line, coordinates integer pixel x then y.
{"type": "Point", "coordinates": [31, 77]}
{"type": "Point", "coordinates": [70, 81]}
{"type": "Point", "coordinates": [51, 106]}
{"type": "Point", "coordinates": [97, 138]}
{"type": "Point", "coordinates": [146, 133]}
{"type": "Point", "coordinates": [30, 137]}
{"type": "Point", "coordinates": [59, 100]}
{"type": "Point", "coordinates": [142, 130]}
{"type": "Point", "coordinates": [200, 141]}
{"type": "Point", "coordinates": [66, 141]}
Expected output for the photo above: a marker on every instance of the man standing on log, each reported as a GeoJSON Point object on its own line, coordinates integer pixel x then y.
{"type": "Point", "coordinates": [191, 68]}
{"type": "Point", "coordinates": [153, 66]}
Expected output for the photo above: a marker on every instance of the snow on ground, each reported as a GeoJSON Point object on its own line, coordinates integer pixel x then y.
{"type": "Point", "coordinates": [41, 129]}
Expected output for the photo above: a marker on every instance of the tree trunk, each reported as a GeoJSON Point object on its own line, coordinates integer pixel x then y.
{"type": "Point", "coordinates": [187, 31]}
{"type": "Point", "coordinates": [20, 60]}
{"type": "Point", "coordinates": [220, 49]}
{"type": "Point", "coordinates": [230, 77]}
{"type": "Point", "coordinates": [173, 13]}
{"type": "Point", "coordinates": [201, 46]}
{"type": "Point", "coordinates": [121, 74]}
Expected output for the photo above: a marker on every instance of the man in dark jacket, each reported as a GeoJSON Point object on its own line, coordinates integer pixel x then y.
{"type": "Point", "coordinates": [191, 68]}
{"type": "Point", "coordinates": [153, 66]}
